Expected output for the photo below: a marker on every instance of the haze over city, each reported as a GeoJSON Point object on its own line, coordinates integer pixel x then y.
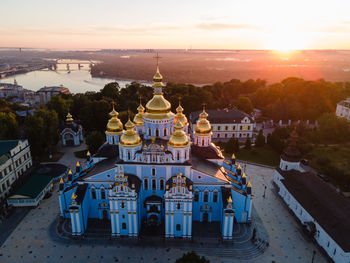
{"type": "Point", "coordinates": [252, 24]}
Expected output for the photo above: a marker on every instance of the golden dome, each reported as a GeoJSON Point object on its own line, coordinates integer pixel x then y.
{"type": "Point", "coordinates": [158, 107]}
{"type": "Point", "coordinates": [69, 118]}
{"type": "Point", "coordinates": [203, 126]}
{"type": "Point", "coordinates": [179, 137]}
{"type": "Point", "coordinates": [138, 120]}
{"type": "Point", "coordinates": [180, 116]}
{"type": "Point", "coordinates": [130, 137]}
{"type": "Point", "coordinates": [114, 125]}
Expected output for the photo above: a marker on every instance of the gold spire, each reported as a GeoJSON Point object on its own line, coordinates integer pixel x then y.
{"type": "Point", "coordinates": [88, 153]}
{"type": "Point", "coordinates": [158, 107]}
{"type": "Point", "coordinates": [233, 156]}
{"type": "Point", "coordinates": [229, 200]}
{"type": "Point", "coordinates": [74, 196]}
{"type": "Point", "coordinates": [178, 138]}
{"type": "Point", "coordinates": [77, 164]}
{"type": "Point", "coordinates": [138, 120]}
{"type": "Point", "coordinates": [69, 118]}
{"type": "Point", "coordinates": [249, 184]}
{"type": "Point", "coordinates": [130, 137]}
{"type": "Point", "coordinates": [243, 176]}
{"type": "Point", "coordinates": [203, 126]}
{"type": "Point", "coordinates": [114, 125]}
{"type": "Point", "coordinates": [70, 172]}
{"type": "Point", "coordinates": [61, 181]}
{"type": "Point", "coordinates": [180, 116]}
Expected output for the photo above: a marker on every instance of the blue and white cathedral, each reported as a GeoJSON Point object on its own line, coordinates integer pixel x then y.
{"type": "Point", "coordinates": [154, 171]}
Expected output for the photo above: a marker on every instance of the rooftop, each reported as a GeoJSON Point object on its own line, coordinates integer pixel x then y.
{"type": "Point", "coordinates": [329, 208]}
{"type": "Point", "coordinates": [32, 187]}
{"type": "Point", "coordinates": [221, 116]}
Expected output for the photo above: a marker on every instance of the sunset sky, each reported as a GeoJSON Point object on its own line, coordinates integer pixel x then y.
{"type": "Point", "coordinates": [231, 24]}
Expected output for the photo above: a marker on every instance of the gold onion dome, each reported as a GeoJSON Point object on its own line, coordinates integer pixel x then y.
{"type": "Point", "coordinates": [69, 118]}
{"type": "Point", "coordinates": [138, 120]}
{"type": "Point", "coordinates": [158, 107]}
{"type": "Point", "coordinates": [180, 116]}
{"type": "Point", "coordinates": [130, 137]}
{"type": "Point", "coordinates": [179, 137]}
{"type": "Point", "coordinates": [114, 125]}
{"type": "Point", "coordinates": [203, 126]}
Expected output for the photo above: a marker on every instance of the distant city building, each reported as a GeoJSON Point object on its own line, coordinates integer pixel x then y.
{"type": "Point", "coordinates": [46, 93]}
{"type": "Point", "coordinates": [8, 90]}
{"type": "Point", "coordinates": [15, 159]}
{"type": "Point", "coordinates": [318, 206]}
{"type": "Point", "coordinates": [227, 124]}
{"type": "Point", "coordinates": [153, 177]}
{"type": "Point", "coordinates": [343, 109]}
{"type": "Point", "coordinates": [71, 132]}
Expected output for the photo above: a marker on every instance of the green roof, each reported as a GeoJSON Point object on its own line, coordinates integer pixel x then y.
{"type": "Point", "coordinates": [5, 147]}
{"type": "Point", "coordinates": [33, 186]}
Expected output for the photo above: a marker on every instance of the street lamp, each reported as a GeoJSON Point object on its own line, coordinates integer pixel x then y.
{"type": "Point", "coordinates": [313, 256]}
{"type": "Point", "coordinates": [264, 191]}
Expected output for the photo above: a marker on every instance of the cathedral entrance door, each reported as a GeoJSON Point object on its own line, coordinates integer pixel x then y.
{"type": "Point", "coordinates": [104, 215]}
{"type": "Point", "coordinates": [205, 217]}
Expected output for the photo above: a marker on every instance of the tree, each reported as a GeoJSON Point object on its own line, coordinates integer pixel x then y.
{"type": "Point", "coordinates": [41, 130]}
{"type": "Point", "coordinates": [333, 129]}
{"type": "Point", "coordinates": [9, 126]}
{"type": "Point", "coordinates": [236, 146]}
{"type": "Point", "coordinates": [192, 257]}
{"type": "Point", "coordinates": [248, 144]}
{"type": "Point", "coordinates": [58, 104]}
{"type": "Point", "coordinates": [260, 139]}
{"type": "Point", "coordinates": [229, 146]}
{"type": "Point", "coordinates": [110, 90]}
{"type": "Point", "coordinates": [94, 140]}
{"type": "Point", "coordinates": [244, 104]}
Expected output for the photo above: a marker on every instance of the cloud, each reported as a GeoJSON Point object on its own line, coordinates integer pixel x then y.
{"type": "Point", "coordinates": [224, 26]}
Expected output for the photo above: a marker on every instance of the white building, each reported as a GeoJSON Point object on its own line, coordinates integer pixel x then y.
{"type": "Point", "coordinates": [343, 109]}
{"type": "Point", "coordinates": [227, 124]}
{"type": "Point", "coordinates": [319, 207]}
{"type": "Point", "coordinates": [15, 159]}
{"type": "Point", "coordinates": [46, 93]}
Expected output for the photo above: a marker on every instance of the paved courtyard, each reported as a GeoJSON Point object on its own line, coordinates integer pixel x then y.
{"type": "Point", "coordinates": [35, 238]}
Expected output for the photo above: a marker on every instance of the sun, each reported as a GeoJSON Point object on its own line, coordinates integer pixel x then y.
{"type": "Point", "coordinates": [285, 42]}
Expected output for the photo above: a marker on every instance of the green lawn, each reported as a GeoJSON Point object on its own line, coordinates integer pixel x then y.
{"type": "Point", "coordinates": [262, 155]}
{"type": "Point", "coordinates": [80, 154]}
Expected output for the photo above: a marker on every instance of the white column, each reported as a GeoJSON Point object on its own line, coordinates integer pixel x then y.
{"type": "Point", "coordinates": [225, 225]}
{"type": "Point", "coordinates": [78, 222]}
{"type": "Point", "coordinates": [72, 219]}
{"type": "Point", "coordinates": [60, 200]}
{"type": "Point", "coordinates": [129, 219]}
{"type": "Point", "coordinates": [166, 223]}
{"type": "Point", "coordinates": [135, 224]}
{"type": "Point", "coordinates": [184, 224]}
{"type": "Point", "coordinates": [117, 222]}
{"type": "Point", "coordinates": [231, 226]}
{"type": "Point", "coordinates": [172, 224]}
{"type": "Point", "coordinates": [113, 222]}
{"type": "Point", "coordinates": [189, 228]}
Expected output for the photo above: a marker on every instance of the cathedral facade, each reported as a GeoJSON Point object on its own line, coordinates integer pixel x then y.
{"type": "Point", "coordinates": [155, 171]}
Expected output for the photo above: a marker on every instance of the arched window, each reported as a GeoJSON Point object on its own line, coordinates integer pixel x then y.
{"type": "Point", "coordinates": [165, 132]}
{"type": "Point", "coordinates": [178, 227]}
{"type": "Point", "coordinates": [161, 184]}
{"type": "Point", "coordinates": [93, 193]}
{"type": "Point", "coordinates": [145, 184]}
{"type": "Point", "coordinates": [149, 132]}
{"type": "Point", "coordinates": [129, 155]}
{"type": "Point", "coordinates": [202, 142]}
{"type": "Point", "coordinates": [157, 132]}
{"type": "Point", "coordinates": [178, 206]}
{"type": "Point", "coordinates": [185, 154]}
{"type": "Point", "coordinates": [205, 198]}
{"type": "Point", "coordinates": [123, 225]}
{"type": "Point", "coordinates": [154, 184]}
{"type": "Point", "coordinates": [196, 196]}
{"type": "Point", "coordinates": [103, 194]}
{"type": "Point", "coordinates": [122, 205]}
{"type": "Point", "coordinates": [153, 171]}
{"type": "Point", "coordinates": [178, 155]}
{"type": "Point", "coordinates": [215, 197]}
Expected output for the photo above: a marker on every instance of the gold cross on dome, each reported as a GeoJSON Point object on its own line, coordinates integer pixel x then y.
{"type": "Point", "coordinates": [157, 57]}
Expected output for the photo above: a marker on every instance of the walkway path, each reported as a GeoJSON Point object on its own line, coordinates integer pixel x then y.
{"type": "Point", "coordinates": [35, 240]}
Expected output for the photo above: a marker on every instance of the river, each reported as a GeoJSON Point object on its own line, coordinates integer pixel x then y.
{"type": "Point", "coordinates": [77, 81]}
